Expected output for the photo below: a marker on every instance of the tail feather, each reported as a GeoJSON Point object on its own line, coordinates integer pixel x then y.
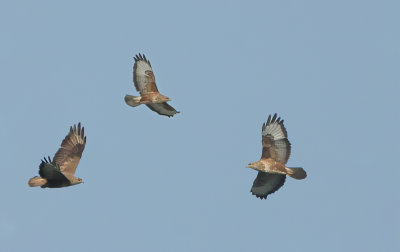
{"type": "Point", "coordinates": [296, 172]}
{"type": "Point", "coordinates": [37, 181]}
{"type": "Point", "coordinates": [132, 101]}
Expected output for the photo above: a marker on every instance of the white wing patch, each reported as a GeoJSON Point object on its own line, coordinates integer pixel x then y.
{"type": "Point", "coordinates": [274, 129]}
{"type": "Point", "coordinates": [142, 67]}
{"type": "Point", "coordinates": [282, 148]}
{"type": "Point", "coordinates": [140, 74]}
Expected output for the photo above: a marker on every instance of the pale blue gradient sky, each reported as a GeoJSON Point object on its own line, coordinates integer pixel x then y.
{"type": "Point", "coordinates": [331, 70]}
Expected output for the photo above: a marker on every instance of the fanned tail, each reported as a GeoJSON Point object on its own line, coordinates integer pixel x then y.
{"type": "Point", "coordinates": [296, 172]}
{"type": "Point", "coordinates": [37, 181]}
{"type": "Point", "coordinates": [132, 101]}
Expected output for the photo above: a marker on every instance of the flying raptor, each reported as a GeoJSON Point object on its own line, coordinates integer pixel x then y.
{"type": "Point", "coordinates": [145, 83]}
{"type": "Point", "coordinates": [272, 169]}
{"type": "Point", "coordinates": [60, 171]}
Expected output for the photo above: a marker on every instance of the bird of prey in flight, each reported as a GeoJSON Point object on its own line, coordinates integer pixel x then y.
{"type": "Point", "coordinates": [145, 83]}
{"type": "Point", "coordinates": [60, 171]}
{"type": "Point", "coordinates": [272, 169]}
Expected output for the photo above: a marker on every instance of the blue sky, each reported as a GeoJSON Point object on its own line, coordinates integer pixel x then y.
{"type": "Point", "coordinates": [152, 183]}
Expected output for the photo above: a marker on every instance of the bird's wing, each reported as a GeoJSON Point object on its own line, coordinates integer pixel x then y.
{"type": "Point", "coordinates": [275, 144]}
{"type": "Point", "coordinates": [267, 183]}
{"type": "Point", "coordinates": [143, 76]}
{"type": "Point", "coordinates": [69, 154]}
{"type": "Point", "coordinates": [163, 109]}
{"type": "Point", "coordinates": [50, 171]}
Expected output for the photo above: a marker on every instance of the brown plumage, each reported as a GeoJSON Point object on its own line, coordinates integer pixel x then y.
{"type": "Point", "coordinates": [272, 169]}
{"type": "Point", "coordinates": [145, 83]}
{"type": "Point", "coordinates": [60, 171]}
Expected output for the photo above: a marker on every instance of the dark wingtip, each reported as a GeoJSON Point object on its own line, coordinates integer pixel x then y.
{"type": "Point", "coordinates": [46, 160]}
{"type": "Point", "coordinates": [79, 128]}
{"type": "Point", "coordinates": [137, 57]}
{"type": "Point", "coordinates": [140, 56]}
{"type": "Point", "coordinates": [261, 197]}
{"type": "Point", "coordinates": [176, 112]}
{"type": "Point", "coordinates": [274, 118]}
{"type": "Point", "coordinates": [41, 164]}
{"type": "Point", "coordinates": [43, 161]}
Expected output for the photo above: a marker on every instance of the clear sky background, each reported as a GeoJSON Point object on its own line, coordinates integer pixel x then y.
{"type": "Point", "coordinates": [330, 69]}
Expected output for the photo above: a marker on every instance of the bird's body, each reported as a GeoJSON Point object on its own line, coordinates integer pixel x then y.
{"type": "Point", "coordinates": [60, 171]}
{"type": "Point", "coordinates": [268, 165]}
{"type": "Point", "coordinates": [148, 98]}
{"type": "Point", "coordinates": [145, 83]}
{"type": "Point", "coordinates": [272, 169]}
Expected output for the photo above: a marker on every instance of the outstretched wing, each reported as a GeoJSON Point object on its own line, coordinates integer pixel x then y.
{"type": "Point", "coordinates": [69, 154]}
{"type": "Point", "coordinates": [267, 183]}
{"type": "Point", "coordinates": [143, 76]}
{"type": "Point", "coordinates": [163, 109]}
{"type": "Point", "coordinates": [275, 144]}
{"type": "Point", "coordinates": [50, 171]}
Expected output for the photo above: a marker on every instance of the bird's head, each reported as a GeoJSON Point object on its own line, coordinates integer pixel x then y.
{"type": "Point", "coordinates": [256, 166]}
{"type": "Point", "coordinates": [76, 181]}
{"type": "Point", "coordinates": [161, 98]}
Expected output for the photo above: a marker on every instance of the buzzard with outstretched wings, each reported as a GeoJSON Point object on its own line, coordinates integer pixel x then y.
{"type": "Point", "coordinates": [60, 171]}
{"type": "Point", "coordinates": [145, 83]}
{"type": "Point", "coordinates": [272, 169]}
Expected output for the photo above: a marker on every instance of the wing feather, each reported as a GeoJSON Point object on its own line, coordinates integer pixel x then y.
{"type": "Point", "coordinates": [143, 76]}
{"type": "Point", "coordinates": [267, 183]}
{"type": "Point", "coordinates": [69, 154]}
{"type": "Point", "coordinates": [274, 140]}
{"type": "Point", "coordinates": [163, 109]}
